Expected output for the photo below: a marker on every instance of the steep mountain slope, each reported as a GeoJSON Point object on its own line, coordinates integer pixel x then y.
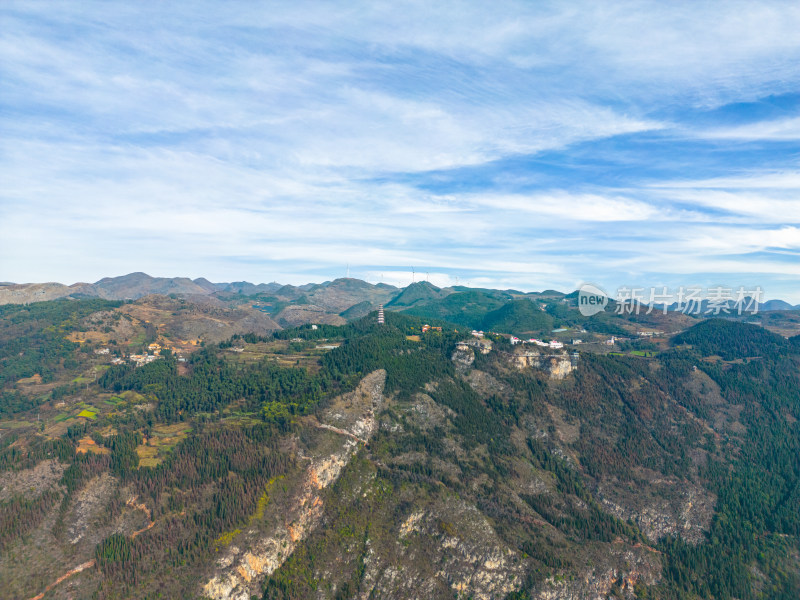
{"type": "Point", "coordinates": [341, 294]}
{"type": "Point", "coordinates": [518, 316]}
{"type": "Point", "coordinates": [362, 461]}
{"type": "Point", "coordinates": [732, 340]}
{"type": "Point", "coordinates": [466, 308]}
{"type": "Point", "coordinates": [417, 293]}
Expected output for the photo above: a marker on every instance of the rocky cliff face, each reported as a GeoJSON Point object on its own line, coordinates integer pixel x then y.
{"type": "Point", "coordinates": [243, 567]}
{"type": "Point", "coordinates": [463, 554]}
{"type": "Point", "coordinates": [295, 504]}
{"type": "Point", "coordinates": [668, 506]}
{"type": "Point", "coordinates": [557, 366]}
{"type": "Point", "coordinates": [615, 575]}
{"type": "Point", "coordinates": [463, 356]}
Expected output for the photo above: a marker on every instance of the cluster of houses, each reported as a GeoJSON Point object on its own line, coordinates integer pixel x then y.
{"type": "Point", "coordinates": [153, 354]}
{"type": "Point", "coordinates": [143, 359]}
{"type": "Point", "coordinates": [552, 344]}
{"type": "Point", "coordinates": [426, 328]}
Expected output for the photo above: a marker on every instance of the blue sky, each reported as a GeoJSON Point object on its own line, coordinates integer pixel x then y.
{"type": "Point", "coordinates": [529, 145]}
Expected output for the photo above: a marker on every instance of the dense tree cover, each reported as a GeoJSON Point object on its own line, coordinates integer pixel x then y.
{"type": "Point", "coordinates": [20, 514]}
{"type": "Point", "coordinates": [518, 316]}
{"type": "Point", "coordinates": [114, 553]}
{"type": "Point", "coordinates": [124, 458]}
{"type": "Point", "coordinates": [603, 323]}
{"type": "Point", "coordinates": [215, 382]}
{"type": "Point", "coordinates": [13, 402]}
{"type": "Point", "coordinates": [627, 424]}
{"type": "Point", "coordinates": [732, 340]}
{"type": "Point", "coordinates": [757, 521]}
{"type": "Point", "coordinates": [32, 337]}
{"type": "Point", "coordinates": [478, 423]}
{"type": "Point", "coordinates": [409, 364]}
{"type": "Point", "coordinates": [575, 510]}
{"type": "Point", "coordinates": [210, 484]}
{"type": "Point", "coordinates": [466, 308]}
{"type": "Point", "coordinates": [795, 343]}
{"type": "Point", "coordinates": [17, 458]}
{"type": "Point", "coordinates": [416, 293]}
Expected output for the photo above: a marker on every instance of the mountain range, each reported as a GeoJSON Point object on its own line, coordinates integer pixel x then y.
{"type": "Point", "coordinates": [336, 295]}
{"type": "Point", "coordinates": [342, 300]}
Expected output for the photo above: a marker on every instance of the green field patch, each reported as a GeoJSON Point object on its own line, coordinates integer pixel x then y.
{"type": "Point", "coordinates": [241, 419]}
{"type": "Point", "coordinates": [646, 353]}
{"type": "Point", "coordinates": [164, 438]}
{"type": "Point", "coordinates": [88, 414]}
{"type": "Point", "coordinates": [148, 456]}
{"type": "Point", "coordinates": [138, 339]}
{"type": "Point", "coordinates": [80, 379]}
{"type": "Point", "coordinates": [62, 417]}
{"type": "Point", "coordinates": [113, 401]}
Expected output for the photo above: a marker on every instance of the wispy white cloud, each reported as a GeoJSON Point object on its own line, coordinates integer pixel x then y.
{"type": "Point", "coordinates": [244, 141]}
{"type": "Point", "coordinates": [773, 130]}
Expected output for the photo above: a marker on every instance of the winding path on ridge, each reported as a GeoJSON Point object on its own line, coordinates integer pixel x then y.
{"type": "Point", "coordinates": [90, 563]}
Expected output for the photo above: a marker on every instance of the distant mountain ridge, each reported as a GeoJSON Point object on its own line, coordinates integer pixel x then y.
{"type": "Point", "coordinates": [466, 306]}
{"type": "Point", "coordinates": [136, 285]}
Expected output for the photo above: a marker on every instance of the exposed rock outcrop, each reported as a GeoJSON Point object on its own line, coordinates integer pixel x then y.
{"type": "Point", "coordinates": [463, 356]}
{"type": "Point", "coordinates": [247, 561]}
{"type": "Point", "coordinates": [669, 506]}
{"type": "Point", "coordinates": [558, 366]}
{"type": "Point", "coordinates": [606, 579]}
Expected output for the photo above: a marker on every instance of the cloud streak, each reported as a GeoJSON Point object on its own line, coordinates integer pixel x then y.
{"type": "Point", "coordinates": [529, 145]}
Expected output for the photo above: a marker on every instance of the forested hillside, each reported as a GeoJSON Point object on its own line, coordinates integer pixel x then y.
{"type": "Point", "coordinates": [370, 460]}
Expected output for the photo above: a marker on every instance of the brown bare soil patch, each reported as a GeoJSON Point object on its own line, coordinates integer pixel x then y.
{"type": "Point", "coordinates": [87, 444]}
